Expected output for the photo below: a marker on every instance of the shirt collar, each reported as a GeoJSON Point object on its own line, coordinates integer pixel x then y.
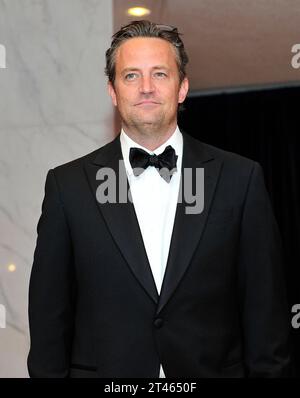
{"type": "Point", "coordinates": [176, 141]}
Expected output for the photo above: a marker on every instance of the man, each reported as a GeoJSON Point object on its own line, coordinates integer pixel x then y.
{"type": "Point", "coordinates": [146, 288]}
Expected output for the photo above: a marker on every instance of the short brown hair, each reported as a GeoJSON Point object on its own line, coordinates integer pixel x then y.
{"type": "Point", "coordinates": [146, 28]}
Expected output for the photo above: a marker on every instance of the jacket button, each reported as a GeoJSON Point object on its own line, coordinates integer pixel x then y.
{"type": "Point", "coordinates": [158, 323]}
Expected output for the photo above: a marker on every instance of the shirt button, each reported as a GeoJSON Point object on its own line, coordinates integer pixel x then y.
{"type": "Point", "coordinates": [158, 323]}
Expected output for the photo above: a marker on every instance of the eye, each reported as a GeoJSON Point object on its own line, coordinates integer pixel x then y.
{"type": "Point", "coordinates": [131, 76]}
{"type": "Point", "coordinates": [160, 75]}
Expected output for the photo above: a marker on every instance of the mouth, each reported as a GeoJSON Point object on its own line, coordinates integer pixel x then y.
{"type": "Point", "coordinates": [147, 103]}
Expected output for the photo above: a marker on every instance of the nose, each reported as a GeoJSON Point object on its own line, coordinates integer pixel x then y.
{"type": "Point", "coordinates": [146, 85]}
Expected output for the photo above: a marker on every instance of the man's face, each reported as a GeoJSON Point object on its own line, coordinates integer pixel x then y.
{"type": "Point", "coordinates": [146, 88]}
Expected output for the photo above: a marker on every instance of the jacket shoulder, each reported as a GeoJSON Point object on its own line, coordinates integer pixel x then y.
{"type": "Point", "coordinates": [229, 159]}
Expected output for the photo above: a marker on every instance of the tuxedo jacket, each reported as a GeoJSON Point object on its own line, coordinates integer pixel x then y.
{"type": "Point", "coordinates": [94, 309]}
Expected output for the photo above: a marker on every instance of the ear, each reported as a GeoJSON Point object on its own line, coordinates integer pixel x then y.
{"type": "Point", "coordinates": [112, 93]}
{"type": "Point", "coordinates": [183, 90]}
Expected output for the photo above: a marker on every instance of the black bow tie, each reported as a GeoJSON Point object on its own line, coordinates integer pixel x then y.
{"type": "Point", "coordinates": [165, 162]}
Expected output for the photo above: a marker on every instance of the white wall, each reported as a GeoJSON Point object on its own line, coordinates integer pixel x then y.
{"type": "Point", "coordinates": [53, 108]}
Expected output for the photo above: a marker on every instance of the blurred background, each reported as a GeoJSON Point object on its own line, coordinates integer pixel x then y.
{"type": "Point", "coordinates": [244, 97]}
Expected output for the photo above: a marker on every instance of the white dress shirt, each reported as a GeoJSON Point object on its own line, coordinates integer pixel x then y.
{"type": "Point", "coordinates": [155, 202]}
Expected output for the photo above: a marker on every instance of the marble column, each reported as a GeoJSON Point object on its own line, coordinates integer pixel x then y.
{"type": "Point", "coordinates": [53, 109]}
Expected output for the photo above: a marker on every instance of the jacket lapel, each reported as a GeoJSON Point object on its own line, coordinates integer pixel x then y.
{"type": "Point", "coordinates": [188, 228]}
{"type": "Point", "coordinates": [120, 218]}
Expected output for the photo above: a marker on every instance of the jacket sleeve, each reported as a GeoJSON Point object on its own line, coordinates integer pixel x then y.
{"type": "Point", "coordinates": [264, 309]}
{"type": "Point", "coordinates": [51, 290]}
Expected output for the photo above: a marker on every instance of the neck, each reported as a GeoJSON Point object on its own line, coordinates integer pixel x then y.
{"type": "Point", "coordinates": [150, 139]}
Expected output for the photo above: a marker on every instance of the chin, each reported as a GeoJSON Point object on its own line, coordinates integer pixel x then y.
{"type": "Point", "coordinates": [148, 119]}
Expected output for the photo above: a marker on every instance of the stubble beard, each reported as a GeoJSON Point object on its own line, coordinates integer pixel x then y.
{"type": "Point", "coordinates": [137, 125]}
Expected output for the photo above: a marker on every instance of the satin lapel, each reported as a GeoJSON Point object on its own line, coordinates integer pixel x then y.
{"type": "Point", "coordinates": [121, 219]}
{"type": "Point", "coordinates": [188, 228]}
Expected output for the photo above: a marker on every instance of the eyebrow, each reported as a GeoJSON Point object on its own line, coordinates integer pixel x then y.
{"type": "Point", "coordinates": [134, 69]}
